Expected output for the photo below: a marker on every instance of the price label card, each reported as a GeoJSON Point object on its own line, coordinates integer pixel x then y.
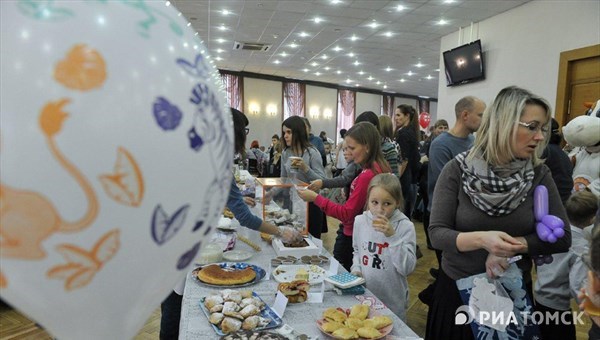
{"type": "Point", "coordinates": [316, 297]}
{"type": "Point", "coordinates": [334, 265]}
{"type": "Point", "coordinates": [318, 243]}
{"type": "Point", "coordinates": [280, 303]}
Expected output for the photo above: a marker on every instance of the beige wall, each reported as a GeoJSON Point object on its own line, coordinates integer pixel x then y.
{"type": "Point", "coordinates": [321, 98]}
{"type": "Point", "coordinates": [262, 126]}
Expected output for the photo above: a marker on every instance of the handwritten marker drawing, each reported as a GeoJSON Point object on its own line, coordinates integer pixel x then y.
{"type": "Point", "coordinates": [82, 69]}
{"type": "Point", "coordinates": [188, 257]}
{"type": "Point", "coordinates": [126, 184]}
{"type": "Point", "coordinates": [165, 227]}
{"type": "Point", "coordinates": [83, 265]}
{"type": "Point", "coordinates": [44, 10]}
{"type": "Point", "coordinates": [167, 115]}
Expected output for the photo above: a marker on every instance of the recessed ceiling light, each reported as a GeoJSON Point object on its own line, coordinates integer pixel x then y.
{"type": "Point", "coordinates": [337, 48]}
{"type": "Point", "coordinates": [293, 45]}
{"type": "Point", "coordinates": [324, 56]}
{"type": "Point", "coordinates": [356, 63]}
{"type": "Point", "coordinates": [276, 61]}
{"type": "Point", "coordinates": [361, 72]}
{"type": "Point", "coordinates": [218, 50]}
{"type": "Point", "coordinates": [437, 70]}
{"type": "Point", "coordinates": [167, 4]}
{"type": "Point", "coordinates": [303, 34]}
{"type": "Point", "coordinates": [357, 85]}
{"type": "Point", "coordinates": [218, 58]}
{"type": "Point", "coordinates": [400, 8]}
{"type": "Point", "coordinates": [314, 64]}
{"type": "Point", "coordinates": [223, 28]}
{"type": "Point", "coordinates": [318, 74]}
{"type": "Point", "coordinates": [410, 73]}
{"type": "Point", "coordinates": [420, 64]}
{"type": "Point", "coordinates": [373, 24]}
{"type": "Point", "coordinates": [225, 12]}
{"type": "Point", "coordinates": [189, 24]}
{"type": "Point", "coordinates": [348, 80]}
{"type": "Point", "coordinates": [327, 68]}
{"type": "Point", "coordinates": [388, 34]}
{"type": "Point", "coordinates": [305, 70]}
{"type": "Point", "coordinates": [283, 54]}
{"type": "Point", "coordinates": [378, 82]}
{"type": "Point", "coordinates": [385, 86]}
{"type": "Point", "coordinates": [448, 1]}
{"type": "Point", "coordinates": [402, 80]}
{"type": "Point", "coordinates": [424, 97]}
{"type": "Point", "coordinates": [335, 2]}
{"type": "Point", "coordinates": [351, 55]}
{"type": "Point", "coordinates": [388, 69]}
{"type": "Point", "coordinates": [370, 78]}
{"type": "Point", "coordinates": [221, 40]}
{"type": "Point", "coordinates": [429, 76]}
{"type": "Point", "coordinates": [442, 22]}
{"type": "Point", "coordinates": [317, 20]}
{"type": "Point", "coordinates": [353, 38]}
{"type": "Point", "coordinates": [338, 72]}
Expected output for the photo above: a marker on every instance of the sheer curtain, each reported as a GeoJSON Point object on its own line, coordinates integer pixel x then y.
{"type": "Point", "coordinates": [234, 88]}
{"type": "Point", "coordinates": [345, 109]}
{"type": "Point", "coordinates": [388, 106]}
{"type": "Point", "coordinates": [294, 99]}
{"type": "Point", "coordinates": [422, 106]}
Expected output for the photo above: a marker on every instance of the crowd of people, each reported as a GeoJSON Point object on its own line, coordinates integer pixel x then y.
{"type": "Point", "coordinates": [475, 184]}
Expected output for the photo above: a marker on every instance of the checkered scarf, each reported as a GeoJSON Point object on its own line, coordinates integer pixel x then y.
{"type": "Point", "coordinates": [493, 189]}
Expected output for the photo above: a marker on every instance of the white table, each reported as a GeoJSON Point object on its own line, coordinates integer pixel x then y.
{"type": "Point", "coordinates": [302, 317]}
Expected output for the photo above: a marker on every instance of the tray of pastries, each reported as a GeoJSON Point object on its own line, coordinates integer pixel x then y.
{"type": "Point", "coordinates": [295, 291]}
{"type": "Point", "coordinates": [231, 310]}
{"type": "Point", "coordinates": [228, 274]}
{"type": "Point", "coordinates": [354, 323]}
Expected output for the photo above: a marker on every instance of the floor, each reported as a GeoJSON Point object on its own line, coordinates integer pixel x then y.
{"type": "Point", "coordinates": [14, 325]}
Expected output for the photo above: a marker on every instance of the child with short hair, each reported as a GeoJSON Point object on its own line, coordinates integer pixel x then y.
{"type": "Point", "coordinates": [384, 242]}
{"type": "Point", "coordinates": [559, 281]}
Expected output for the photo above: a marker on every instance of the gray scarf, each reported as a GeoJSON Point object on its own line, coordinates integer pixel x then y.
{"type": "Point", "coordinates": [496, 190]}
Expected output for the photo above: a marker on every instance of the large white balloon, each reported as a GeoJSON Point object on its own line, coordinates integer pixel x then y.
{"type": "Point", "coordinates": [116, 146]}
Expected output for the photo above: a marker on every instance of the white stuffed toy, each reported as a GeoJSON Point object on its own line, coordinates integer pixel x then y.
{"type": "Point", "coordinates": [583, 132]}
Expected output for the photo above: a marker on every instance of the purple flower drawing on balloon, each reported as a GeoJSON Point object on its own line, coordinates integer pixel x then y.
{"type": "Point", "coordinates": [165, 227]}
{"type": "Point", "coordinates": [198, 69]}
{"type": "Point", "coordinates": [188, 257]}
{"type": "Point", "coordinates": [167, 115]}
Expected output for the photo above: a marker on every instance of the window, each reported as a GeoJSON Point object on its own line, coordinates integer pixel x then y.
{"type": "Point", "coordinates": [234, 89]}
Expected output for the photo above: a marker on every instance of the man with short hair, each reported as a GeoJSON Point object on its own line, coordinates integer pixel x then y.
{"type": "Point", "coordinates": [445, 147]}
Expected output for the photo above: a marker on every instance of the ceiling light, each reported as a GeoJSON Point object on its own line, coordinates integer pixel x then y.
{"type": "Point", "coordinates": [189, 24]}
{"type": "Point", "coordinates": [335, 2]}
{"type": "Point", "coordinates": [276, 61]}
{"type": "Point", "coordinates": [317, 20]}
{"type": "Point", "coordinates": [424, 97]}
{"type": "Point", "coordinates": [351, 55]}
{"type": "Point", "coordinates": [167, 4]}
{"type": "Point", "coordinates": [429, 76]}
{"type": "Point", "coordinates": [353, 38]}
{"type": "Point", "coordinates": [402, 80]}
{"type": "Point", "coordinates": [356, 63]}
{"type": "Point", "coordinates": [361, 73]}
{"type": "Point", "coordinates": [221, 40]}
{"type": "Point", "coordinates": [420, 64]}
{"type": "Point", "coordinates": [283, 54]}
{"type": "Point", "coordinates": [225, 12]}
{"type": "Point", "coordinates": [400, 8]}
{"type": "Point", "coordinates": [305, 70]}
{"type": "Point", "coordinates": [348, 80]}
{"type": "Point", "coordinates": [410, 73]}
{"type": "Point", "coordinates": [327, 68]}
{"type": "Point", "coordinates": [373, 24]}
{"type": "Point", "coordinates": [303, 34]}
{"type": "Point", "coordinates": [318, 74]}
{"type": "Point", "coordinates": [388, 34]}
{"type": "Point", "coordinates": [448, 1]}
{"type": "Point", "coordinates": [218, 58]}
{"type": "Point", "coordinates": [338, 72]}
{"type": "Point", "coordinates": [357, 85]}
{"type": "Point", "coordinates": [385, 86]}
{"type": "Point", "coordinates": [218, 50]}
{"type": "Point", "coordinates": [337, 48]}
{"type": "Point", "coordinates": [314, 64]}
{"type": "Point", "coordinates": [378, 82]}
{"type": "Point", "coordinates": [293, 45]}
{"type": "Point", "coordinates": [370, 78]}
{"type": "Point", "coordinates": [442, 22]}
{"type": "Point", "coordinates": [223, 28]}
{"type": "Point", "coordinates": [388, 69]}
{"type": "Point", "coordinates": [437, 70]}
{"type": "Point", "coordinates": [324, 56]}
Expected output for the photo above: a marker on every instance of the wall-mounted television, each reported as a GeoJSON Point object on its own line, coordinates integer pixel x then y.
{"type": "Point", "coordinates": [464, 64]}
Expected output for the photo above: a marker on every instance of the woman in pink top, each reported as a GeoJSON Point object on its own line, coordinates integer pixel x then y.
{"type": "Point", "coordinates": [364, 142]}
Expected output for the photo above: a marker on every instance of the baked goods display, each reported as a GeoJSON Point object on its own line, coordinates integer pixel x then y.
{"type": "Point", "coordinates": [289, 273]}
{"type": "Point", "coordinates": [354, 323]}
{"type": "Point", "coordinates": [295, 291]}
{"type": "Point", "coordinates": [227, 213]}
{"type": "Point", "coordinates": [283, 217]}
{"type": "Point", "coordinates": [231, 310]}
{"type": "Point", "coordinates": [216, 275]}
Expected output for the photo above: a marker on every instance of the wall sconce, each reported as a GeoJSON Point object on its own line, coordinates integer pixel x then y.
{"type": "Point", "coordinates": [314, 112]}
{"type": "Point", "coordinates": [254, 108]}
{"type": "Point", "coordinates": [271, 109]}
{"type": "Point", "coordinates": [327, 114]}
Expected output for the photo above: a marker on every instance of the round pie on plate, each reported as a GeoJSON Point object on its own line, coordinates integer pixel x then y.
{"type": "Point", "coordinates": [214, 274]}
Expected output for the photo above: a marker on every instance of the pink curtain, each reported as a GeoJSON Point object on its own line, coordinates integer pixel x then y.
{"type": "Point", "coordinates": [294, 98]}
{"type": "Point", "coordinates": [346, 109]}
{"type": "Point", "coordinates": [388, 106]}
{"type": "Point", "coordinates": [234, 88]}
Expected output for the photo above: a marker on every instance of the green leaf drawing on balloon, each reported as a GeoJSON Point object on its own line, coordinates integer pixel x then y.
{"type": "Point", "coordinates": [47, 10]}
{"type": "Point", "coordinates": [44, 10]}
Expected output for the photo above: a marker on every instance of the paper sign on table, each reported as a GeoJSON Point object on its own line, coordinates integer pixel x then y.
{"type": "Point", "coordinates": [318, 243]}
{"type": "Point", "coordinates": [333, 266]}
{"type": "Point", "coordinates": [316, 297]}
{"type": "Point", "coordinates": [280, 303]}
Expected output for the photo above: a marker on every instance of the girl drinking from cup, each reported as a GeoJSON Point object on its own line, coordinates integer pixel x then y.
{"type": "Point", "coordinates": [385, 242]}
{"type": "Point", "coordinates": [364, 142]}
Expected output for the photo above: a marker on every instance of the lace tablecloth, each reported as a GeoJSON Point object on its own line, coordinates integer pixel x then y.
{"type": "Point", "coordinates": [301, 317]}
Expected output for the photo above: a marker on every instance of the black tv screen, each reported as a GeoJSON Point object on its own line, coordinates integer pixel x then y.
{"type": "Point", "coordinates": [464, 64]}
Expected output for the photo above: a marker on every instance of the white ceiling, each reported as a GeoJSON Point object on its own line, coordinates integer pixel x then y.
{"type": "Point", "coordinates": [385, 61]}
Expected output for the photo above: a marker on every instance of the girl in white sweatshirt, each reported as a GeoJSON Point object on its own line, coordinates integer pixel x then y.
{"type": "Point", "coordinates": [384, 242]}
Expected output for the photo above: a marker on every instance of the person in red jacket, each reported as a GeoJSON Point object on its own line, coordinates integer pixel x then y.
{"type": "Point", "coordinates": [364, 142]}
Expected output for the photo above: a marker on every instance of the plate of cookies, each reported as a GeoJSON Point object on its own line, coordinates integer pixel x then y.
{"type": "Point", "coordinates": [354, 323]}
{"type": "Point", "coordinates": [228, 274]}
{"type": "Point", "coordinates": [230, 311]}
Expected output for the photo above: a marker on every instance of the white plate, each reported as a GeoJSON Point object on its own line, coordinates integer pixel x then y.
{"type": "Point", "coordinates": [287, 273]}
{"type": "Point", "coordinates": [237, 255]}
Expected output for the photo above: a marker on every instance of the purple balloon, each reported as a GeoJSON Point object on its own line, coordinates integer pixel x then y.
{"type": "Point", "coordinates": [548, 259]}
{"type": "Point", "coordinates": [558, 232]}
{"type": "Point", "coordinates": [551, 238]}
{"type": "Point", "coordinates": [543, 231]}
{"type": "Point", "coordinates": [553, 222]}
{"type": "Point", "coordinates": [540, 202]}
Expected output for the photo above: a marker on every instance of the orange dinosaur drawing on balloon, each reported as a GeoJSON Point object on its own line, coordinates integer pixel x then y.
{"type": "Point", "coordinates": [83, 265]}
{"type": "Point", "coordinates": [125, 185]}
{"type": "Point", "coordinates": [27, 218]}
{"type": "Point", "coordinates": [82, 69]}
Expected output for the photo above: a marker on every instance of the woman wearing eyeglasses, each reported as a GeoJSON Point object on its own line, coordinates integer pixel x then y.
{"type": "Point", "coordinates": [482, 209]}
